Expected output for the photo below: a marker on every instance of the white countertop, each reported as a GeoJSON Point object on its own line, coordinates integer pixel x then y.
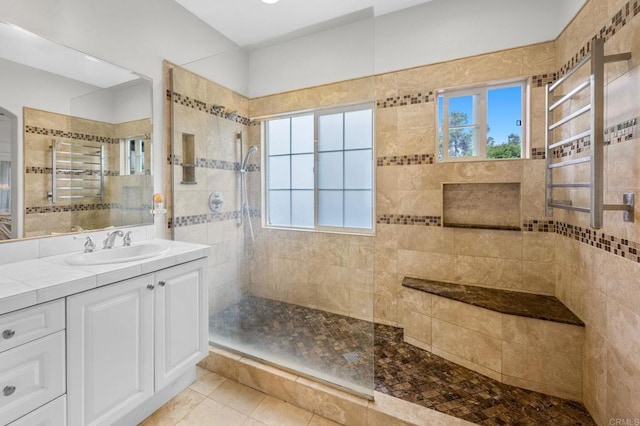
{"type": "Point", "coordinates": [33, 281]}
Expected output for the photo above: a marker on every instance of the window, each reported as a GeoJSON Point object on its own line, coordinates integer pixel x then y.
{"type": "Point", "coordinates": [481, 122]}
{"type": "Point", "coordinates": [319, 170]}
{"type": "Point", "coordinates": [133, 155]}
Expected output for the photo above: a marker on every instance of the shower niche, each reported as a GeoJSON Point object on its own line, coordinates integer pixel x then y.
{"type": "Point", "coordinates": [482, 205]}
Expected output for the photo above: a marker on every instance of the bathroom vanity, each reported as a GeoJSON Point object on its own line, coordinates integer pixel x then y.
{"type": "Point", "coordinates": [100, 344]}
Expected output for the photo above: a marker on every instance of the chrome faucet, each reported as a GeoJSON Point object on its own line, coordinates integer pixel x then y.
{"type": "Point", "coordinates": [111, 239]}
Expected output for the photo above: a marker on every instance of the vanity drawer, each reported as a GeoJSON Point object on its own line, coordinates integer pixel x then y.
{"type": "Point", "coordinates": [31, 375]}
{"type": "Point", "coordinates": [51, 414]}
{"type": "Point", "coordinates": [29, 324]}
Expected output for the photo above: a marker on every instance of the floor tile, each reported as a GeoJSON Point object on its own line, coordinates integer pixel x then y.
{"type": "Point", "coordinates": [174, 410]}
{"type": "Point", "coordinates": [210, 412]}
{"type": "Point", "coordinates": [239, 397]}
{"type": "Point", "coordinates": [274, 412]}
{"type": "Point", "coordinates": [206, 381]}
{"type": "Point", "coordinates": [321, 421]}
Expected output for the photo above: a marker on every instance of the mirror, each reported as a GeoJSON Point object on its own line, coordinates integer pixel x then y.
{"type": "Point", "coordinates": [75, 140]}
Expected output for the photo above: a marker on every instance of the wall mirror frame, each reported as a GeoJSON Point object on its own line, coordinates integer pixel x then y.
{"type": "Point", "coordinates": [66, 119]}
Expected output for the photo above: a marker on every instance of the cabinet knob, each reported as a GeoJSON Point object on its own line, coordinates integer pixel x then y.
{"type": "Point", "coordinates": [161, 283]}
{"type": "Point", "coordinates": [150, 286]}
{"type": "Point", "coordinates": [8, 334]}
{"type": "Point", "coordinates": [8, 390]}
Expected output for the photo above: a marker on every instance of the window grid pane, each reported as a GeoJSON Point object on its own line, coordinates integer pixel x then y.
{"type": "Point", "coordinates": [344, 167]}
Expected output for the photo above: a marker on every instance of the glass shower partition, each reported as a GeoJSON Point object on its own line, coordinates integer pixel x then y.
{"type": "Point", "coordinates": [294, 296]}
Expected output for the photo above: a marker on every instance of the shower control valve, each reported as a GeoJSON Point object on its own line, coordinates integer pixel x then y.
{"type": "Point", "coordinates": [215, 201]}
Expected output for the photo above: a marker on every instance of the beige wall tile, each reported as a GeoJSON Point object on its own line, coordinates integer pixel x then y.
{"type": "Point", "coordinates": [477, 348]}
{"type": "Point", "coordinates": [487, 243]}
{"type": "Point", "coordinates": [416, 326]}
{"type": "Point", "coordinates": [467, 316]}
{"type": "Point", "coordinates": [559, 373]}
{"type": "Point", "coordinates": [488, 272]}
{"type": "Point", "coordinates": [546, 335]}
{"type": "Point", "coordinates": [436, 239]}
{"type": "Point", "coordinates": [433, 266]}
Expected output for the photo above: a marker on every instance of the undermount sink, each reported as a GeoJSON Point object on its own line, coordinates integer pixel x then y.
{"type": "Point", "coordinates": [119, 254]}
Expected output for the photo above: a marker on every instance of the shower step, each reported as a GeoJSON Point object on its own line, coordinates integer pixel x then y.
{"type": "Point", "coordinates": [528, 340]}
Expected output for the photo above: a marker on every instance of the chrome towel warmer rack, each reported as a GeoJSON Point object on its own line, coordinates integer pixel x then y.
{"type": "Point", "coordinates": [595, 133]}
{"type": "Point", "coordinates": [77, 171]}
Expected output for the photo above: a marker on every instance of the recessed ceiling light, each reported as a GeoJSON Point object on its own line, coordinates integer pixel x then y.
{"type": "Point", "coordinates": [270, 1]}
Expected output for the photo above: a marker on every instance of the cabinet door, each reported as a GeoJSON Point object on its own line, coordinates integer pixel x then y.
{"type": "Point", "coordinates": [182, 326]}
{"type": "Point", "coordinates": [109, 351]}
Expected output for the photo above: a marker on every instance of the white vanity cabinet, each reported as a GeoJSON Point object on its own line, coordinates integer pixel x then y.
{"type": "Point", "coordinates": [128, 340]}
{"type": "Point", "coordinates": [32, 362]}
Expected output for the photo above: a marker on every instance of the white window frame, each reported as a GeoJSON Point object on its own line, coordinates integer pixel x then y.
{"type": "Point", "coordinates": [265, 175]}
{"type": "Point", "coordinates": [480, 92]}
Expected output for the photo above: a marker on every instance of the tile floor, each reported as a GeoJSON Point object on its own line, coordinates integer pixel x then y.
{"type": "Point", "coordinates": [214, 400]}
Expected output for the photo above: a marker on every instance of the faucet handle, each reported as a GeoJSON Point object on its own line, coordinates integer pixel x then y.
{"type": "Point", "coordinates": [126, 240]}
{"type": "Point", "coordinates": [89, 245]}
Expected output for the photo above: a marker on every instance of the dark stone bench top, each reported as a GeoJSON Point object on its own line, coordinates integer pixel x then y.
{"type": "Point", "coordinates": [529, 305]}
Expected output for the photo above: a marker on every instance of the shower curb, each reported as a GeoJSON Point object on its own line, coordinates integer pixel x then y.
{"type": "Point", "coordinates": [321, 399]}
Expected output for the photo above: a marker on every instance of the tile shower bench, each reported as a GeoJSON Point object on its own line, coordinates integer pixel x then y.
{"type": "Point", "coordinates": [528, 340]}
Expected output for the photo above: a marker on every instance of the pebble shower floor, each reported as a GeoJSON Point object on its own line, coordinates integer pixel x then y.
{"type": "Point", "coordinates": [341, 345]}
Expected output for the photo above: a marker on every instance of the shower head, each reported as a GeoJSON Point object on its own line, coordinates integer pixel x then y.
{"type": "Point", "coordinates": [252, 150]}
{"type": "Point", "coordinates": [232, 115]}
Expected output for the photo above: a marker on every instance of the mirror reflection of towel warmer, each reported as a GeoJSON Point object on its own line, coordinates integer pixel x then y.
{"type": "Point", "coordinates": [595, 133]}
{"type": "Point", "coordinates": [77, 171]}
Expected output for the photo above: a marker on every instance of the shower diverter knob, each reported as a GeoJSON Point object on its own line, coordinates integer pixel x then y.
{"type": "Point", "coordinates": [215, 201]}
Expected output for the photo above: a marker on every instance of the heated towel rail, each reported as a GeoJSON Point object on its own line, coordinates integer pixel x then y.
{"type": "Point", "coordinates": [595, 134]}
{"type": "Point", "coordinates": [77, 171]}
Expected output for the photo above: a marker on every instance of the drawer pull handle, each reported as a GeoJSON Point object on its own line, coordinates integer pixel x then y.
{"type": "Point", "coordinates": [8, 334]}
{"type": "Point", "coordinates": [8, 390]}
{"type": "Point", "coordinates": [161, 283]}
{"type": "Point", "coordinates": [150, 286]}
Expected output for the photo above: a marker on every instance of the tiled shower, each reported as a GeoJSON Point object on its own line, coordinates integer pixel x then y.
{"type": "Point", "coordinates": [359, 277]}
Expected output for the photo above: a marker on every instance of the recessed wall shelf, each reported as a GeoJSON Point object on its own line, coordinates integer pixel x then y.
{"type": "Point", "coordinates": [482, 205]}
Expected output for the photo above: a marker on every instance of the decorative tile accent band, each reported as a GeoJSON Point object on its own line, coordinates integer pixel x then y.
{"type": "Point", "coordinates": [619, 246]}
{"type": "Point", "coordinates": [405, 160]}
{"type": "Point", "coordinates": [213, 109]}
{"type": "Point", "coordinates": [88, 172]}
{"type": "Point", "coordinates": [199, 219]}
{"type": "Point", "coordinates": [407, 219]}
{"type": "Point", "coordinates": [70, 135]}
{"type": "Point", "coordinates": [207, 163]}
{"type": "Point", "coordinates": [538, 153]}
{"type": "Point", "coordinates": [71, 208]}
{"type": "Point", "coordinates": [410, 99]}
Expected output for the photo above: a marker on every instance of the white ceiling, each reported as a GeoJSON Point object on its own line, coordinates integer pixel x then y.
{"type": "Point", "coordinates": [252, 22]}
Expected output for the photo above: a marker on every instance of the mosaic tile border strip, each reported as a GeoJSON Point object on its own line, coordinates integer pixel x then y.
{"type": "Point", "coordinates": [200, 219]}
{"type": "Point", "coordinates": [619, 246]}
{"type": "Point", "coordinates": [89, 172]}
{"type": "Point", "coordinates": [212, 109]}
{"type": "Point", "coordinates": [71, 208]}
{"type": "Point", "coordinates": [70, 135]}
{"type": "Point", "coordinates": [407, 99]}
{"type": "Point", "coordinates": [407, 219]}
{"type": "Point", "coordinates": [538, 154]}
{"type": "Point", "coordinates": [405, 160]}
{"type": "Point", "coordinates": [207, 163]}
